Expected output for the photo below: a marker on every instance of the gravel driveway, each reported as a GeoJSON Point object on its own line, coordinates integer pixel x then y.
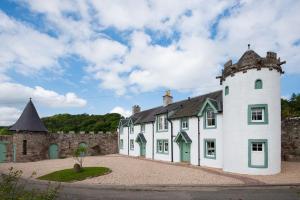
{"type": "Point", "coordinates": [132, 171]}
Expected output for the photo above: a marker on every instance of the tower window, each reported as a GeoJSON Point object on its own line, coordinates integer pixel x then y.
{"type": "Point", "coordinates": [258, 84]}
{"type": "Point", "coordinates": [226, 90]}
{"type": "Point", "coordinates": [24, 147]}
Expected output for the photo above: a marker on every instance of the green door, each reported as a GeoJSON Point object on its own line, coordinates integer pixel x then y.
{"type": "Point", "coordinates": [185, 152]}
{"type": "Point", "coordinates": [2, 152]}
{"type": "Point", "coordinates": [143, 149]}
{"type": "Point", "coordinates": [53, 151]}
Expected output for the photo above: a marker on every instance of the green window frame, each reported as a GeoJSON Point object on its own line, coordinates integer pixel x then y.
{"type": "Point", "coordinates": [121, 144]}
{"type": "Point", "coordinates": [258, 84]}
{"type": "Point", "coordinates": [143, 128]}
{"type": "Point", "coordinates": [162, 146]}
{"type": "Point", "coordinates": [258, 114]}
{"type": "Point", "coordinates": [210, 117]}
{"type": "Point", "coordinates": [131, 129]}
{"type": "Point", "coordinates": [226, 90]}
{"type": "Point", "coordinates": [131, 144]}
{"type": "Point", "coordinates": [209, 147]}
{"type": "Point", "coordinates": [184, 123]}
{"type": "Point", "coordinates": [121, 130]}
{"type": "Point", "coordinates": [258, 141]}
{"type": "Point", "coordinates": [162, 124]}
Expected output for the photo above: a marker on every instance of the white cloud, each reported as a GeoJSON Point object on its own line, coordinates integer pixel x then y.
{"type": "Point", "coordinates": [13, 93]}
{"type": "Point", "coordinates": [190, 62]}
{"type": "Point", "coordinates": [121, 111]}
{"type": "Point", "coordinates": [8, 115]}
{"type": "Point", "coordinates": [26, 50]}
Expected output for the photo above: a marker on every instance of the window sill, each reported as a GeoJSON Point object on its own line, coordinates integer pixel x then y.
{"type": "Point", "coordinates": [212, 158]}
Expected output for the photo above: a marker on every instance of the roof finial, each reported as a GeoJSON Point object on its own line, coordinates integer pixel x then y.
{"type": "Point", "coordinates": [248, 46]}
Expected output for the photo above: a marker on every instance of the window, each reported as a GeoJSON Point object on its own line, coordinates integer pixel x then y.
{"type": "Point", "coordinates": [162, 123]}
{"type": "Point", "coordinates": [210, 121]}
{"type": "Point", "coordinates": [257, 146]}
{"type": "Point", "coordinates": [210, 148]}
{"type": "Point", "coordinates": [24, 147]}
{"type": "Point", "coordinates": [166, 146]}
{"type": "Point", "coordinates": [132, 129]}
{"type": "Point", "coordinates": [143, 128]}
{"type": "Point", "coordinates": [121, 130]}
{"type": "Point", "coordinates": [184, 123]}
{"type": "Point", "coordinates": [131, 145]}
{"type": "Point", "coordinates": [226, 90]}
{"type": "Point", "coordinates": [121, 144]}
{"type": "Point", "coordinates": [162, 146]}
{"type": "Point", "coordinates": [258, 84]}
{"type": "Point", "coordinates": [258, 114]}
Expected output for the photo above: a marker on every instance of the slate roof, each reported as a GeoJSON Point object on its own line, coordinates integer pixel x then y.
{"type": "Point", "coordinates": [29, 121]}
{"type": "Point", "coordinates": [185, 108]}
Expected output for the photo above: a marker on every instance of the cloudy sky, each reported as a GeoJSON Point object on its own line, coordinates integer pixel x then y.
{"type": "Point", "coordinates": [101, 56]}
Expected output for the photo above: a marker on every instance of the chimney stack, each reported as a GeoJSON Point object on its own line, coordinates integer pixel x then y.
{"type": "Point", "coordinates": [136, 109]}
{"type": "Point", "coordinates": [167, 98]}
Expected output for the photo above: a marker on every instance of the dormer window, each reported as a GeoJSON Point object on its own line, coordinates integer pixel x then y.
{"type": "Point", "coordinates": [162, 123]}
{"type": "Point", "coordinates": [132, 129]}
{"type": "Point", "coordinates": [210, 120]}
{"type": "Point", "coordinates": [184, 124]}
{"type": "Point", "coordinates": [142, 128]}
{"type": "Point", "coordinates": [258, 84]}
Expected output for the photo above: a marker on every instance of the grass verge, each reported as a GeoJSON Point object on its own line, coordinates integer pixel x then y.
{"type": "Point", "coordinates": [69, 175]}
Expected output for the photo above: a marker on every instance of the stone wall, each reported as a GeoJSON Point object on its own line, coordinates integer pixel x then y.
{"type": "Point", "coordinates": [37, 145]}
{"type": "Point", "coordinates": [290, 140]}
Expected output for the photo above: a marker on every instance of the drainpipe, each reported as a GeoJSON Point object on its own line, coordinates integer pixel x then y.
{"type": "Point", "coordinates": [172, 156]}
{"type": "Point", "coordinates": [128, 141]}
{"type": "Point", "coordinates": [152, 140]}
{"type": "Point", "coordinates": [198, 140]}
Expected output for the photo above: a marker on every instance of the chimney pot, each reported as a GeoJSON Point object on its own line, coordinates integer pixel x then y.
{"type": "Point", "coordinates": [167, 98]}
{"type": "Point", "coordinates": [136, 109]}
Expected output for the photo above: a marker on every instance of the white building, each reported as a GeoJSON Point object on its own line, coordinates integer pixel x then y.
{"type": "Point", "coordinates": [237, 129]}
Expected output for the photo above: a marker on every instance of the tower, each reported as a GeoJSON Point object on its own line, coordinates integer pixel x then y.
{"type": "Point", "coordinates": [252, 114]}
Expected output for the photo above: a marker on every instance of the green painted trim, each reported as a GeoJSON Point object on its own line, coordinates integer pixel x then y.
{"type": "Point", "coordinates": [165, 130]}
{"type": "Point", "coordinates": [207, 101]}
{"type": "Point", "coordinates": [226, 90]}
{"type": "Point", "coordinates": [266, 114]}
{"type": "Point", "coordinates": [188, 125]}
{"type": "Point", "coordinates": [265, 142]}
{"type": "Point", "coordinates": [163, 146]}
{"type": "Point", "coordinates": [258, 84]}
{"type": "Point", "coordinates": [130, 144]}
{"type": "Point", "coordinates": [204, 120]}
{"type": "Point", "coordinates": [205, 153]}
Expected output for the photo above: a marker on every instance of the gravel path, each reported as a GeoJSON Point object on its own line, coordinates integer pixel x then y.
{"type": "Point", "coordinates": [132, 171]}
{"type": "Point", "coordinates": [127, 171]}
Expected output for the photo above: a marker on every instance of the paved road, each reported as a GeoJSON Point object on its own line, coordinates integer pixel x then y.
{"type": "Point", "coordinates": [94, 192]}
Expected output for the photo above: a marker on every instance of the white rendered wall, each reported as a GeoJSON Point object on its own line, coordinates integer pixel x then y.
{"type": "Point", "coordinates": [162, 136]}
{"type": "Point", "coordinates": [132, 136]}
{"type": "Point", "coordinates": [216, 134]}
{"type": "Point", "coordinates": [124, 136]}
{"type": "Point", "coordinates": [148, 135]}
{"type": "Point", "coordinates": [192, 133]}
{"type": "Point", "coordinates": [236, 130]}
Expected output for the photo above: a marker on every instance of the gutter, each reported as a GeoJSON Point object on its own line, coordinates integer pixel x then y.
{"type": "Point", "coordinates": [198, 140]}
{"type": "Point", "coordinates": [172, 156]}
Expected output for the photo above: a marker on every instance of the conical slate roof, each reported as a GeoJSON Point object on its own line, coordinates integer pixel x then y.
{"type": "Point", "coordinates": [29, 120]}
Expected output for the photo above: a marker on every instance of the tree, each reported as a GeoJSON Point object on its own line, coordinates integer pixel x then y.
{"type": "Point", "coordinates": [79, 155]}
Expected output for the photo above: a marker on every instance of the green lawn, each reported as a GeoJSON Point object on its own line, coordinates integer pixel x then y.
{"type": "Point", "coordinates": [69, 175]}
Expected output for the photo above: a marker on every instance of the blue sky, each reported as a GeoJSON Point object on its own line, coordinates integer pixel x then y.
{"type": "Point", "coordinates": [98, 57]}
